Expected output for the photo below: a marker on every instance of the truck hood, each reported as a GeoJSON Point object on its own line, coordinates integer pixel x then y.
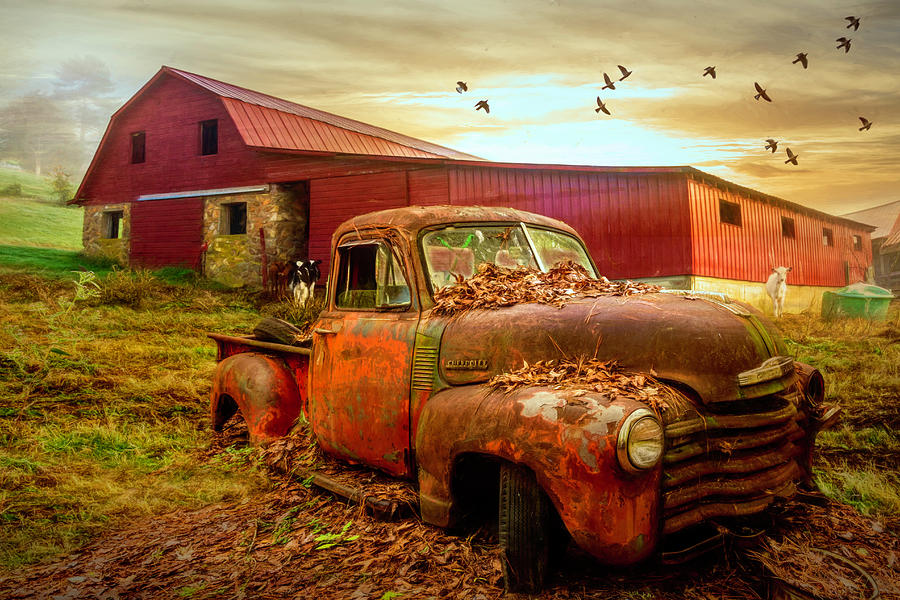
{"type": "Point", "coordinates": [699, 342]}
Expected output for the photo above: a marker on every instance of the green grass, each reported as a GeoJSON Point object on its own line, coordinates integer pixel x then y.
{"type": "Point", "coordinates": [103, 406]}
{"type": "Point", "coordinates": [25, 222]}
{"type": "Point", "coordinates": [50, 262]}
{"type": "Point", "coordinates": [860, 361]}
{"type": "Point", "coordinates": [33, 186]}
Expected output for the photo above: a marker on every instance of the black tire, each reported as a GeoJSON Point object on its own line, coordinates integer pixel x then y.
{"type": "Point", "coordinates": [525, 530]}
{"type": "Point", "coordinates": [271, 329]}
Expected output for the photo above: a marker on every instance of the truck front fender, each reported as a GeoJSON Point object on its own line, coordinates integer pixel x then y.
{"type": "Point", "coordinates": [567, 438]}
{"type": "Point", "coordinates": [262, 388]}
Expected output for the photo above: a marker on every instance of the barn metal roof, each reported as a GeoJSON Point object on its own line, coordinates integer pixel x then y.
{"type": "Point", "coordinates": [893, 238]}
{"type": "Point", "coordinates": [267, 122]}
{"type": "Point", "coordinates": [882, 217]}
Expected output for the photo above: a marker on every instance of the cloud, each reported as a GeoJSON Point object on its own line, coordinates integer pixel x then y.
{"type": "Point", "coordinates": [540, 63]}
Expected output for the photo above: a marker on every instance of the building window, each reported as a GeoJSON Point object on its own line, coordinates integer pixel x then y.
{"type": "Point", "coordinates": [234, 218]}
{"type": "Point", "coordinates": [112, 225]}
{"type": "Point", "coordinates": [730, 212]}
{"type": "Point", "coordinates": [857, 242]}
{"type": "Point", "coordinates": [209, 137]}
{"type": "Point", "coordinates": [787, 227]}
{"type": "Point", "coordinates": [138, 141]}
{"type": "Point", "coordinates": [827, 237]}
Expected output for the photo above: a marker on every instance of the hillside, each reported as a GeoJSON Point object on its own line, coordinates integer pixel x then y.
{"type": "Point", "coordinates": [28, 216]}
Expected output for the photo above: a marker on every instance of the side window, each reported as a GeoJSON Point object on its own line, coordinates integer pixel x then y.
{"type": "Point", "coordinates": [370, 278]}
{"type": "Point", "coordinates": [209, 137]}
{"type": "Point", "coordinates": [138, 147]}
{"type": "Point", "coordinates": [233, 218]}
{"type": "Point", "coordinates": [112, 220]}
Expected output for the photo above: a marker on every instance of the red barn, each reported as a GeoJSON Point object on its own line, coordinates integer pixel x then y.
{"type": "Point", "coordinates": [196, 172]}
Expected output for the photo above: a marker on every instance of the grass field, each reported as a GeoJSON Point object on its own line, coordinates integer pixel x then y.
{"type": "Point", "coordinates": [34, 218]}
{"type": "Point", "coordinates": [104, 387]}
{"type": "Point", "coordinates": [32, 186]}
{"type": "Point", "coordinates": [25, 222]}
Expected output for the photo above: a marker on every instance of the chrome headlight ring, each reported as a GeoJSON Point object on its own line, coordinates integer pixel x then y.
{"type": "Point", "coordinates": [641, 442]}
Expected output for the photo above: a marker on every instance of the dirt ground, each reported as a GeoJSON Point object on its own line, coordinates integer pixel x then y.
{"type": "Point", "coordinates": [296, 541]}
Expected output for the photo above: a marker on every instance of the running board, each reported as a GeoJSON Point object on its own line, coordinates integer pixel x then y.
{"type": "Point", "coordinates": [382, 509]}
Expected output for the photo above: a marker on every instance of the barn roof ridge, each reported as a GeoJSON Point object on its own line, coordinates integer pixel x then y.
{"type": "Point", "coordinates": [248, 96]}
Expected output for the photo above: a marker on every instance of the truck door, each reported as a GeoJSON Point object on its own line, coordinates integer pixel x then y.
{"type": "Point", "coordinates": [362, 358]}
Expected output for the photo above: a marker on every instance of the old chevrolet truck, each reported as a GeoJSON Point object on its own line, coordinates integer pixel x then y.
{"type": "Point", "coordinates": [387, 383]}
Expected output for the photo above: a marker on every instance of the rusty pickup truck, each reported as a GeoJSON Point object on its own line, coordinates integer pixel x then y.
{"type": "Point", "coordinates": [389, 383]}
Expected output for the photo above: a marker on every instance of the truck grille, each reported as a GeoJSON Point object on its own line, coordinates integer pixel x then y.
{"type": "Point", "coordinates": [730, 464]}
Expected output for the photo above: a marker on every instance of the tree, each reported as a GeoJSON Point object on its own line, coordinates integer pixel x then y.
{"type": "Point", "coordinates": [85, 84]}
{"type": "Point", "coordinates": [61, 182]}
{"type": "Point", "coordinates": [33, 128]}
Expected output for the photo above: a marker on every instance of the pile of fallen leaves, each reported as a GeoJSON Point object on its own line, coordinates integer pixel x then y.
{"type": "Point", "coordinates": [588, 374]}
{"type": "Point", "coordinates": [495, 287]}
{"type": "Point", "coordinates": [816, 571]}
{"type": "Point", "coordinates": [797, 552]}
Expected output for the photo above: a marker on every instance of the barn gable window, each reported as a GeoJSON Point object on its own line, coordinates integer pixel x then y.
{"type": "Point", "coordinates": [729, 212]}
{"type": "Point", "coordinates": [787, 227]}
{"type": "Point", "coordinates": [234, 218]}
{"type": "Point", "coordinates": [112, 224]}
{"type": "Point", "coordinates": [138, 145]}
{"type": "Point", "coordinates": [827, 237]}
{"type": "Point", "coordinates": [857, 242]}
{"type": "Point", "coordinates": [209, 137]}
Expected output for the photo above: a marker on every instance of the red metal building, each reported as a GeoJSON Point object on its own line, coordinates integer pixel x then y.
{"type": "Point", "coordinates": [181, 156]}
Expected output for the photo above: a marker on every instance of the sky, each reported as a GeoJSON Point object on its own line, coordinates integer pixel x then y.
{"type": "Point", "coordinates": [540, 64]}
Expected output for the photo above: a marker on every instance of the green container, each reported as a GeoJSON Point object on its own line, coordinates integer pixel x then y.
{"type": "Point", "coordinates": [858, 300]}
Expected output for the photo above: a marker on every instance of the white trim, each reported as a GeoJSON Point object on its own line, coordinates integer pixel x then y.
{"type": "Point", "coordinates": [195, 193]}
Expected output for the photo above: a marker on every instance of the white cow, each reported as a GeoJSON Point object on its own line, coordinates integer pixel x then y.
{"type": "Point", "coordinates": [776, 287]}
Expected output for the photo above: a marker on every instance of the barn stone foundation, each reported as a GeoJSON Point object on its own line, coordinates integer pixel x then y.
{"type": "Point", "coordinates": [281, 213]}
{"type": "Point", "coordinates": [94, 234]}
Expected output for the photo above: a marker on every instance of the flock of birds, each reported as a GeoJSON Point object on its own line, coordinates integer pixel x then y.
{"type": "Point", "coordinates": [771, 144]}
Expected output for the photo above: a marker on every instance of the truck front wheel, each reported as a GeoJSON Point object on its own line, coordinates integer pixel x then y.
{"type": "Point", "coordinates": [525, 529]}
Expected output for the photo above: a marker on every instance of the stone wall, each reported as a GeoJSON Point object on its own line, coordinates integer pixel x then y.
{"type": "Point", "coordinates": [92, 234]}
{"type": "Point", "coordinates": [282, 213]}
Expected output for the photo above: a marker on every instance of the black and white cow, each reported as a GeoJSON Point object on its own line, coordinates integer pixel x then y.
{"type": "Point", "coordinates": [303, 280]}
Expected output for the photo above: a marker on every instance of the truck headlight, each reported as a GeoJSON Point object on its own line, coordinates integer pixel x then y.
{"type": "Point", "coordinates": [641, 442]}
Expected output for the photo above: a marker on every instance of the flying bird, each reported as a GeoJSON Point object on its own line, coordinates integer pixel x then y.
{"type": "Point", "coordinates": [601, 106]}
{"type": "Point", "coordinates": [854, 23]}
{"type": "Point", "coordinates": [609, 83]}
{"type": "Point", "coordinates": [844, 43]}
{"type": "Point", "coordinates": [461, 87]}
{"type": "Point", "coordinates": [770, 143]}
{"type": "Point", "coordinates": [801, 58]}
{"type": "Point", "coordinates": [710, 71]}
{"type": "Point", "coordinates": [866, 124]}
{"type": "Point", "coordinates": [625, 72]}
{"type": "Point", "coordinates": [762, 93]}
{"type": "Point", "coordinates": [792, 158]}
{"type": "Point", "coordinates": [483, 104]}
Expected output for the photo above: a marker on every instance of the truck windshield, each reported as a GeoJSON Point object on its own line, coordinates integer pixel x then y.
{"type": "Point", "coordinates": [459, 250]}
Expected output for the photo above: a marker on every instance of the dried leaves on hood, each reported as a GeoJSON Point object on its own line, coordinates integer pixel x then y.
{"type": "Point", "coordinates": [588, 374]}
{"type": "Point", "coordinates": [495, 287]}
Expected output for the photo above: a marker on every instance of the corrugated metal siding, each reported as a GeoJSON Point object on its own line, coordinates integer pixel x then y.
{"type": "Point", "coordinates": [634, 225]}
{"type": "Point", "coordinates": [268, 128]}
{"type": "Point", "coordinates": [167, 232]}
{"type": "Point", "coordinates": [334, 200]}
{"type": "Point", "coordinates": [748, 252]}
{"type": "Point", "coordinates": [428, 187]}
